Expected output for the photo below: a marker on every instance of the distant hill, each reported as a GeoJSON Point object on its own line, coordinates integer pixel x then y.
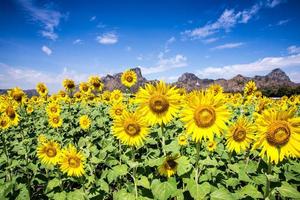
{"type": "Point", "coordinates": [275, 83]}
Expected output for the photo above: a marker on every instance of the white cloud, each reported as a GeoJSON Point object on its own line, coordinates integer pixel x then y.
{"type": "Point", "coordinates": [48, 18]}
{"type": "Point", "coordinates": [273, 3]}
{"type": "Point", "coordinates": [228, 19]}
{"type": "Point", "coordinates": [93, 18]}
{"type": "Point", "coordinates": [228, 46]}
{"type": "Point", "coordinates": [46, 50]}
{"type": "Point", "coordinates": [254, 68]}
{"type": "Point", "coordinates": [107, 38]}
{"type": "Point", "coordinates": [293, 49]}
{"type": "Point", "coordinates": [210, 40]}
{"type": "Point", "coordinates": [77, 41]}
{"type": "Point", "coordinates": [166, 64]}
{"type": "Point", "coordinates": [282, 22]}
{"type": "Point", "coordinates": [168, 78]}
{"type": "Point", "coordinates": [168, 43]}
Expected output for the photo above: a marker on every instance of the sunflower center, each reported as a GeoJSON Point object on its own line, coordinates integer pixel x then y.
{"type": "Point", "coordinates": [3, 123]}
{"type": "Point", "coordinates": [18, 97]}
{"type": "Point", "coordinates": [205, 117]}
{"type": "Point", "coordinates": [74, 162]}
{"type": "Point", "coordinates": [118, 111]}
{"type": "Point", "coordinates": [210, 145]}
{"type": "Point", "coordinates": [129, 79]}
{"type": "Point", "coordinates": [85, 88]}
{"type": "Point", "coordinates": [170, 164]}
{"type": "Point", "coordinates": [159, 104]}
{"type": "Point", "coordinates": [239, 134]}
{"type": "Point", "coordinates": [10, 112]}
{"type": "Point", "coordinates": [132, 128]}
{"type": "Point", "coordinates": [56, 120]}
{"type": "Point", "coordinates": [70, 85]}
{"type": "Point", "coordinates": [85, 122]}
{"type": "Point", "coordinates": [51, 152]}
{"type": "Point", "coordinates": [278, 134]}
{"type": "Point", "coordinates": [53, 109]}
{"type": "Point", "coordinates": [96, 84]}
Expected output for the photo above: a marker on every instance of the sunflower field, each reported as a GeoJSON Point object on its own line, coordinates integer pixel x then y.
{"type": "Point", "coordinates": [159, 143]}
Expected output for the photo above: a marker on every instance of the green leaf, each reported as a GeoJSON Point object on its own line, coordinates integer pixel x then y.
{"type": "Point", "coordinates": [198, 191]}
{"type": "Point", "coordinates": [116, 171]}
{"type": "Point", "coordinates": [221, 194]}
{"type": "Point", "coordinates": [144, 182]}
{"type": "Point", "coordinates": [103, 185]}
{"type": "Point", "coordinates": [164, 190]}
{"type": "Point", "coordinates": [77, 194]}
{"type": "Point", "coordinates": [184, 165]}
{"type": "Point", "coordinates": [52, 184]}
{"type": "Point", "coordinates": [6, 188]}
{"type": "Point", "coordinates": [286, 190]}
{"type": "Point", "coordinates": [24, 194]}
{"type": "Point", "coordinates": [251, 191]}
{"type": "Point", "coordinates": [60, 196]}
{"type": "Point", "coordinates": [123, 195]}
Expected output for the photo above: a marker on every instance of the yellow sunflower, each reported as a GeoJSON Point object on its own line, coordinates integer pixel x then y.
{"type": "Point", "coordinates": [240, 135]}
{"type": "Point", "coordinates": [17, 94]}
{"type": "Point", "coordinates": [69, 85]}
{"type": "Point", "coordinates": [62, 95]}
{"type": "Point", "coordinates": [215, 88]}
{"type": "Point", "coordinates": [278, 134]}
{"type": "Point", "coordinates": [211, 145]}
{"type": "Point", "coordinates": [55, 121]}
{"type": "Point", "coordinates": [84, 122]}
{"type": "Point", "coordinates": [42, 89]}
{"type": "Point", "coordinates": [131, 128]}
{"type": "Point", "coordinates": [182, 140]}
{"type": "Point", "coordinates": [158, 103]}
{"type": "Point", "coordinates": [169, 166]}
{"type": "Point", "coordinates": [116, 95]}
{"type": "Point", "coordinates": [53, 109]}
{"type": "Point", "coordinates": [116, 110]}
{"type": "Point", "coordinates": [4, 122]}
{"type": "Point", "coordinates": [96, 82]}
{"type": "Point", "coordinates": [129, 78]}
{"type": "Point", "coordinates": [78, 96]}
{"type": "Point", "coordinates": [250, 88]}
{"type": "Point", "coordinates": [72, 162]}
{"type": "Point", "coordinates": [205, 115]}
{"type": "Point", "coordinates": [49, 152]}
{"type": "Point", "coordinates": [29, 109]}
{"type": "Point", "coordinates": [106, 96]}
{"type": "Point", "coordinates": [84, 88]}
{"type": "Point", "coordinates": [42, 139]}
{"type": "Point", "coordinates": [12, 115]}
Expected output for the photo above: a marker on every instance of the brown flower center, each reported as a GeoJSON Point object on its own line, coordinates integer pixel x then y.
{"type": "Point", "coordinates": [118, 111]}
{"type": "Point", "coordinates": [170, 164]}
{"type": "Point", "coordinates": [278, 133]}
{"type": "Point", "coordinates": [204, 117]}
{"type": "Point", "coordinates": [51, 152]}
{"type": "Point", "coordinates": [74, 162]}
{"type": "Point", "coordinates": [55, 120]}
{"type": "Point", "coordinates": [3, 123]}
{"type": "Point", "coordinates": [129, 79]}
{"type": "Point", "coordinates": [239, 134]}
{"type": "Point", "coordinates": [10, 112]}
{"type": "Point", "coordinates": [132, 128]}
{"type": "Point", "coordinates": [85, 88]}
{"type": "Point", "coordinates": [159, 104]}
{"type": "Point", "coordinates": [53, 109]}
{"type": "Point", "coordinates": [18, 97]}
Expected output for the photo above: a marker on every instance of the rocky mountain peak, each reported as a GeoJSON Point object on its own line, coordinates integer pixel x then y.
{"type": "Point", "coordinates": [278, 74]}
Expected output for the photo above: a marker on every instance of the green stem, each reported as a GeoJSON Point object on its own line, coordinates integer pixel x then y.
{"type": "Point", "coordinates": [197, 161]}
{"type": "Point", "coordinates": [7, 157]}
{"type": "Point", "coordinates": [267, 193]}
{"type": "Point", "coordinates": [134, 174]}
{"type": "Point", "coordinates": [163, 142]}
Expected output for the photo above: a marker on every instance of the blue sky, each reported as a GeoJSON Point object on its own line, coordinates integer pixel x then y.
{"type": "Point", "coordinates": [47, 41]}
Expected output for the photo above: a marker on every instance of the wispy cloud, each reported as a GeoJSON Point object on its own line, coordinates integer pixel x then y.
{"type": "Point", "coordinates": [92, 18]}
{"type": "Point", "coordinates": [46, 50]}
{"type": "Point", "coordinates": [258, 67]}
{"type": "Point", "coordinates": [228, 46]}
{"type": "Point", "coordinates": [78, 41]}
{"type": "Point", "coordinates": [107, 38]}
{"type": "Point", "coordinates": [49, 19]}
{"type": "Point", "coordinates": [166, 64]}
{"type": "Point", "coordinates": [210, 40]}
{"type": "Point", "coordinates": [228, 20]}
{"type": "Point", "coordinates": [168, 43]}
{"type": "Point", "coordinates": [282, 22]}
{"type": "Point", "coordinates": [293, 49]}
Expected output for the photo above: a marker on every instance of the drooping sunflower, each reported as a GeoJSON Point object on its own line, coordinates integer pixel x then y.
{"type": "Point", "coordinates": [96, 82]}
{"type": "Point", "coordinates": [117, 110]}
{"type": "Point", "coordinates": [85, 88]}
{"type": "Point", "coordinates": [17, 94]}
{"type": "Point", "coordinates": [278, 134]}
{"type": "Point", "coordinates": [49, 152]}
{"type": "Point", "coordinates": [55, 121]}
{"type": "Point", "coordinates": [211, 145]}
{"type": "Point", "coordinates": [129, 78]}
{"type": "Point", "coordinates": [84, 122]}
{"type": "Point", "coordinates": [69, 85]}
{"type": "Point", "coordinates": [42, 89]}
{"type": "Point", "coordinates": [169, 166]}
{"type": "Point", "coordinates": [4, 122]}
{"type": "Point", "coordinates": [159, 103]}
{"type": "Point", "coordinates": [116, 95]}
{"type": "Point", "coordinates": [72, 162]}
{"type": "Point", "coordinates": [131, 128]}
{"type": "Point", "coordinates": [53, 108]}
{"type": "Point", "coordinates": [250, 88]}
{"type": "Point", "coordinates": [240, 135]}
{"type": "Point", "coordinates": [182, 140]}
{"type": "Point", "coordinates": [205, 115]}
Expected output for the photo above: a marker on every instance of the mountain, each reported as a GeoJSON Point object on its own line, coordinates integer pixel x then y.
{"type": "Point", "coordinates": [29, 93]}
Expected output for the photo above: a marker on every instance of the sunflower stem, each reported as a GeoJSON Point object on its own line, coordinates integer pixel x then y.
{"type": "Point", "coordinates": [163, 142]}
{"type": "Point", "coordinates": [197, 161]}
{"type": "Point", "coordinates": [7, 157]}
{"type": "Point", "coordinates": [134, 173]}
{"type": "Point", "coordinates": [267, 193]}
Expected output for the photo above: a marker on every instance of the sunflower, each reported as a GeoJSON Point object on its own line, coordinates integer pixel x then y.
{"type": "Point", "coordinates": [72, 162]}
{"type": "Point", "coordinates": [205, 115]}
{"type": "Point", "coordinates": [49, 152]}
{"type": "Point", "coordinates": [4, 122]}
{"type": "Point", "coordinates": [17, 94]}
{"type": "Point", "coordinates": [116, 110]}
{"type": "Point", "coordinates": [129, 78]}
{"type": "Point", "coordinates": [169, 166]}
{"type": "Point", "coordinates": [29, 109]}
{"type": "Point", "coordinates": [211, 145]}
{"type": "Point", "coordinates": [215, 88]}
{"type": "Point", "coordinates": [12, 115]}
{"type": "Point", "coordinates": [240, 135]}
{"type": "Point", "coordinates": [250, 88]}
{"type": "Point", "coordinates": [106, 96]}
{"type": "Point", "coordinates": [278, 134]}
{"type": "Point", "coordinates": [84, 122]}
{"type": "Point", "coordinates": [96, 83]}
{"type": "Point", "coordinates": [42, 89]}
{"type": "Point", "coordinates": [131, 128]}
{"type": "Point", "coordinates": [69, 85]}
{"type": "Point", "coordinates": [84, 88]}
{"type": "Point", "coordinates": [182, 140]}
{"type": "Point", "coordinates": [53, 109]}
{"type": "Point", "coordinates": [62, 95]}
{"type": "Point", "coordinates": [158, 103]}
{"type": "Point", "coordinates": [78, 96]}
{"type": "Point", "coordinates": [55, 121]}
{"type": "Point", "coordinates": [42, 139]}
{"type": "Point", "coordinates": [116, 95]}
